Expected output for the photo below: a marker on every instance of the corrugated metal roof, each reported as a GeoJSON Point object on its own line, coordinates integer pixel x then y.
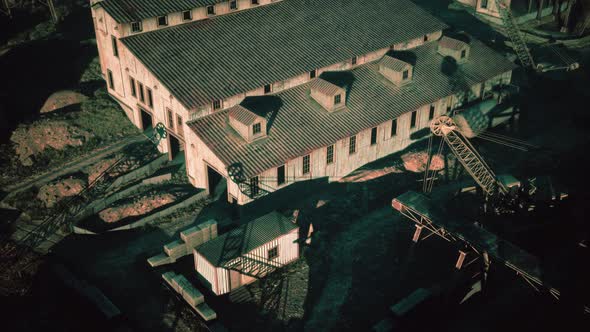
{"type": "Point", "coordinates": [242, 115]}
{"type": "Point", "coordinates": [125, 11]}
{"type": "Point", "coordinates": [325, 87]}
{"type": "Point", "coordinates": [393, 63]}
{"type": "Point", "coordinates": [255, 233]}
{"type": "Point", "coordinates": [227, 55]}
{"type": "Point", "coordinates": [300, 126]}
{"type": "Point", "coordinates": [452, 43]}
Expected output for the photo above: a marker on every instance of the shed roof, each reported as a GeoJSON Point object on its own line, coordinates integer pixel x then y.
{"type": "Point", "coordinates": [254, 234]}
{"type": "Point", "coordinates": [299, 126]}
{"type": "Point", "coordinates": [325, 87]}
{"type": "Point", "coordinates": [227, 55]}
{"type": "Point", "coordinates": [125, 11]}
{"type": "Point", "coordinates": [242, 115]}
{"type": "Point", "coordinates": [452, 43]}
{"type": "Point", "coordinates": [393, 63]}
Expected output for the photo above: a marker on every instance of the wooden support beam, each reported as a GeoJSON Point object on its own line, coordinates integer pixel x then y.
{"type": "Point", "coordinates": [460, 259]}
{"type": "Point", "coordinates": [416, 237]}
{"type": "Point", "coordinates": [540, 9]}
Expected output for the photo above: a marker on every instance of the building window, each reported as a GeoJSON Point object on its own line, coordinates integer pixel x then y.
{"type": "Point", "coordinates": [374, 136]}
{"type": "Point", "coordinates": [405, 74]}
{"type": "Point", "coordinates": [484, 4]}
{"type": "Point", "coordinates": [254, 187]}
{"type": "Point", "coordinates": [170, 118]}
{"type": "Point", "coordinates": [267, 88]}
{"type": "Point", "coordinates": [353, 60]}
{"type": "Point", "coordinates": [187, 15]}
{"type": "Point", "coordinates": [115, 47]}
{"type": "Point", "coordinates": [431, 113]}
{"type": "Point", "coordinates": [280, 175]}
{"type": "Point", "coordinates": [463, 52]}
{"type": "Point", "coordinates": [254, 2]}
{"type": "Point", "coordinates": [136, 26]}
{"type": "Point", "coordinates": [111, 81]}
{"type": "Point", "coordinates": [273, 253]}
{"type": "Point", "coordinates": [256, 128]}
{"type": "Point", "coordinates": [133, 88]}
{"type": "Point", "coordinates": [337, 99]}
{"type": "Point", "coordinates": [352, 145]}
{"type": "Point", "coordinates": [393, 127]}
{"type": "Point", "coordinates": [150, 98]}
{"type": "Point", "coordinates": [413, 120]}
{"type": "Point", "coordinates": [210, 10]}
{"type": "Point", "coordinates": [330, 154]}
{"type": "Point", "coordinates": [306, 164]}
{"type": "Point", "coordinates": [141, 95]}
{"type": "Point", "coordinates": [425, 38]}
{"type": "Point", "coordinates": [162, 21]}
{"type": "Point", "coordinates": [233, 5]}
{"type": "Point", "coordinates": [179, 128]}
{"type": "Point", "coordinates": [312, 74]}
{"type": "Point", "coordinates": [217, 104]}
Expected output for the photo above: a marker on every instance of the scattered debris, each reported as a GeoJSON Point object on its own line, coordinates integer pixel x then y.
{"type": "Point", "coordinates": [140, 207]}
{"type": "Point", "coordinates": [190, 294]}
{"type": "Point", "coordinates": [35, 138]}
{"type": "Point", "coordinates": [97, 169]}
{"type": "Point", "coordinates": [61, 99]}
{"type": "Point", "coordinates": [52, 193]}
{"type": "Point", "coordinates": [416, 162]}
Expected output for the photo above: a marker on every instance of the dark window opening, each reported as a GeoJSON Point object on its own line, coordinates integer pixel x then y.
{"type": "Point", "coordinates": [268, 88]}
{"type": "Point", "coordinates": [353, 60]}
{"type": "Point", "coordinates": [484, 4]}
{"type": "Point", "coordinates": [162, 21]}
{"type": "Point", "coordinates": [133, 88]}
{"type": "Point", "coordinates": [374, 136]}
{"type": "Point", "coordinates": [413, 120]}
{"type": "Point", "coordinates": [352, 145]}
{"type": "Point", "coordinates": [431, 113]}
{"type": "Point", "coordinates": [305, 164]}
{"type": "Point", "coordinates": [179, 128]}
{"type": "Point", "coordinates": [170, 118]}
{"type": "Point", "coordinates": [330, 154]}
{"type": "Point", "coordinates": [136, 26]}
{"type": "Point", "coordinates": [187, 15]}
{"type": "Point", "coordinates": [280, 175]}
{"type": "Point", "coordinates": [425, 38]}
{"type": "Point", "coordinates": [233, 5]}
{"type": "Point", "coordinates": [115, 47]}
{"type": "Point", "coordinates": [463, 52]}
{"type": "Point", "coordinates": [210, 10]}
{"type": "Point", "coordinates": [141, 94]}
{"type": "Point", "coordinates": [312, 74]}
{"type": "Point", "coordinates": [256, 128]}
{"type": "Point", "coordinates": [216, 104]}
{"type": "Point", "coordinates": [405, 74]}
{"type": "Point", "coordinates": [254, 2]}
{"type": "Point", "coordinates": [393, 127]}
{"type": "Point", "coordinates": [337, 99]}
{"type": "Point", "coordinates": [150, 98]}
{"type": "Point", "coordinates": [111, 80]}
{"type": "Point", "coordinates": [273, 253]}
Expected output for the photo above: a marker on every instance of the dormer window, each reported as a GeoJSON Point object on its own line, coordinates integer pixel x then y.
{"type": "Point", "coordinates": [267, 88]}
{"type": "Point", "coordinates": [233, 4]}
{"type": "Point", "coordinates": [337, 99]}
{"type": "Point", "coordinates": [136, 26]}
{"type": "Point", "coordinates": [187, 15]}
{"type": "Point", "coordinates": [396, 70]}
{"type": "Point", "coordinates": [312, 74]}
{"type": "Point", "coordinates": [162, 21]}
{"type": "Point", "coordinates": [457, 49]}
{"type": "Point", "coordinates": [211, 10]}
{"type": "Point", "coordinates": [353, 61]}
{"type": "Point", "coordinates": [216, 104]}
{"type": "Point", "coordinates": [256, 128]}
{"type": "Point", "coordinates": [255, 2]}
{"type": "Point", "coordinates": [330, 96]}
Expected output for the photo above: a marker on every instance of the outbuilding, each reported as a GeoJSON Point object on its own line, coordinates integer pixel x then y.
{"type": "Point", "coordinates": [251, 251]}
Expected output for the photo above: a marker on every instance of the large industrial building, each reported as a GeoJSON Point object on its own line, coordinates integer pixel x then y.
{"type": "Point", "coordinates": [286, 91]}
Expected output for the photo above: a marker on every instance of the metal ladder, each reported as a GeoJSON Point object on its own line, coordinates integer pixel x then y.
{"type": "Point", "coordinates": [515, 35]}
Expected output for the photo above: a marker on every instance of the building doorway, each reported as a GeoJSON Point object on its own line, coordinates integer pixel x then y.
{"type": "Point", "coordinates": [146, 120]}
{"type": "Point", "coordinates": [175, 147]}
{"type": "Point", "coordinates": [213, 180]}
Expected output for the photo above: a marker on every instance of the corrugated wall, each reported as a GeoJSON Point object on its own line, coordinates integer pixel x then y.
{"type": "Point", "coordinates": [205, 269]}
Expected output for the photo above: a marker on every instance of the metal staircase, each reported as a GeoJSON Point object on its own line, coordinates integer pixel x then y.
{"type": "Point", "coordinates": [252, 188]}
{"type": "Point", "coordinates": [515, 35]}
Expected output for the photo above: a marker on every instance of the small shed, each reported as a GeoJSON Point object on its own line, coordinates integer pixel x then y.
{"type": "Point", "coordinates": [239, 257]}
{"type": "Point", "coordinates": [457, 49]}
